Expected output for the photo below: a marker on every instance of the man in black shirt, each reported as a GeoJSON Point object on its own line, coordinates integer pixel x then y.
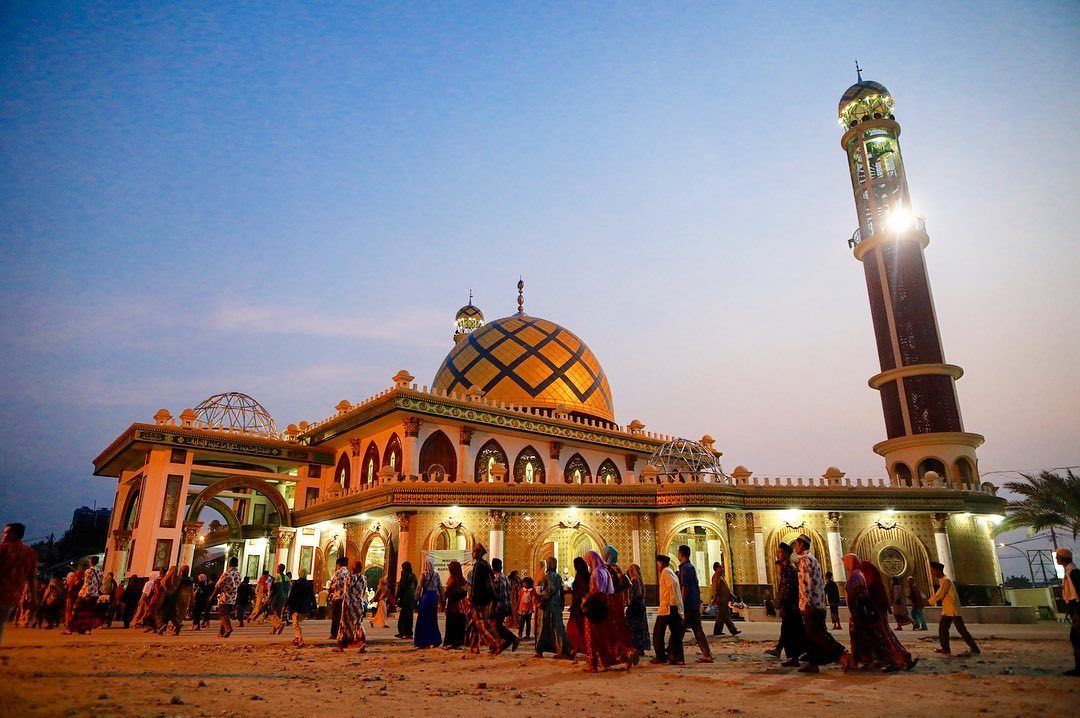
{"type": "Point", "coordinates": [832, 594]}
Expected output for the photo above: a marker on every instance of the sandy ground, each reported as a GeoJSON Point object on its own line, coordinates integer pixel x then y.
{"type": "Point", "coordinates": [125, 672]}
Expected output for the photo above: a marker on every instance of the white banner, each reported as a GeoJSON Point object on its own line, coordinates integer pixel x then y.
{"type": "Point", "coordinates": [442, 562]}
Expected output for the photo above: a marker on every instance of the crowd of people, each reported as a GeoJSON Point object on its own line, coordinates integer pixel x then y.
{"type": "Point", "coordinates": [490, 610]}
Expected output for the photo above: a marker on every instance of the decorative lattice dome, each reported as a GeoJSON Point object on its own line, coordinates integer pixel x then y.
{"type": "Point", "coordinates": [529, 361]}
{"type": "Point", "coordinates": [861, 90]}
{"type": "Point", "coordinates": [236, 411]}
{"type": "Point", "coordinates": [687, 461]}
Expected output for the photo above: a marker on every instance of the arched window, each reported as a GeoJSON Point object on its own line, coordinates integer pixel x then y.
{"type": "Point", "coordinates": [438, 459]}
{"type": "Point", "coordinates": [370, 466]}
{"type": "Point", "coordinates": [529, 467]}
{"type": "Point", "coordinates": [934, 465]}
{"type": "Point", "coordinates": [392, 453]}
{"type": "Point", "coordinates": [608, 473]}
{"type": "Point", "coordinates": [341, 473]}
{"type": "Point", "coordinates": [577, 471]}
{"type": "Point", "coordinates": [489, 455]}
{"type": "Point", "coordinates": [902, 474]}
{"type": "Point", "coordinates": [965, 473]}
{"type": "Point", "coordinates": [131, 510]}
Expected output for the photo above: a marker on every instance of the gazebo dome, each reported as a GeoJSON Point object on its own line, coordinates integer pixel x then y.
{"type": "Point", "coordinates": [861, 90]}
{"type": "Point", "coordinates": [528, 361]}
{"type": "Point", "coordinates": [686, 461]}
{"type": "Point", "coordinates": [236, 411]}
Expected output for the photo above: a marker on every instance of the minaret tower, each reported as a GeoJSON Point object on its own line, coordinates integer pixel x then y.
{"type": "Point", "coordinates": [918, 388]}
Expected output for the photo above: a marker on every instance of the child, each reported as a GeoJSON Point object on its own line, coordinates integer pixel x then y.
{"type": "Point", "coordinates": [527, 601]}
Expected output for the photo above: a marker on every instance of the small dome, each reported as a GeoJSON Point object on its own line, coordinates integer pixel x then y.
{"type": "Point", "coordinates": [682, 460]}
{"type": "Point", "coordinates": [467, 320]}
{"type": "Point", "coordinates": [861, 89]}
{"type": "Point", "coordinates": [233, 410]}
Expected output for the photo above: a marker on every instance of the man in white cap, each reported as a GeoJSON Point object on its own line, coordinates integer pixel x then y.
{"type": "Point", "coordinates": [821, 647]}
{"type": "Point", "coordinates": [1070, 594]}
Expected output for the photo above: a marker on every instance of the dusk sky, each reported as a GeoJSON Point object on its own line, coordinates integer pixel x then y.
{"type": "Point", "coordinates": [293, 203]}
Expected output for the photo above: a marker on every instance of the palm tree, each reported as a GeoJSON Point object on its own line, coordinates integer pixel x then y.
{"type": "Point", "coordinates": [1047, 501]}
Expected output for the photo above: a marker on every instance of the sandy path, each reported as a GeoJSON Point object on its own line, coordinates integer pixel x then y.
{"type": "Point", "coordinates": [117, 672]}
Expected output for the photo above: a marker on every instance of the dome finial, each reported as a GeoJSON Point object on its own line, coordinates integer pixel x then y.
{"type": "Point", "coordinates": [521, 295]}
{"type": "Point", "coordinates": [858, 70]}
{"type": "Point", "coordinates": [470, 297]}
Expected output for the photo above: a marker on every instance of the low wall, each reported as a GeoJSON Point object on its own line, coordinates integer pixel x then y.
{"type": "Point", "coordinates": [971, 614]}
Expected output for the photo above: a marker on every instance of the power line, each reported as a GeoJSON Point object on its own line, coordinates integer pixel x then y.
{"type": "Point", "coordinates": [1028, 471]}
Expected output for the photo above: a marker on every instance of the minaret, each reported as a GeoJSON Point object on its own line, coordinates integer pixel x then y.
{"type": "Point", "coordinates": [918, 388]}
{"type": "Point", "coordinates": [467, 320]}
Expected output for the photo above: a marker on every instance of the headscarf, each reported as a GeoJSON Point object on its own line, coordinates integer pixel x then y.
{"type": "Point", "coordinates": [874, 581]}
{"type": "Point", "coordinates": [851, 562]}
{"type": "Point", "coordinates": [457, 578]}
{"type": "Point", "coordinates": [171, 580]}
{"type": "Point", "coordinates": [600, 580]}
{"type": "Point", "coordinates": [429, 567]}
{"type": "Point", "coordinates": [611, 555]}
{"type": "Point", "coordinates": [185, 571]}
{"type": "Point", "coordinates": [581, 571]}
{"type": "Point", "coordinates": [479, 550]}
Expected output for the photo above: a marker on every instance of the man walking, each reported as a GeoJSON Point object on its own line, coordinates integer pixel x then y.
{"type": "Point", "coordinates": [502, 607]}
{"type": "Point", "coordinates": [821, 647]}
{"type": "Point", "coordinates": [832, 593]}
{"type": "Point", "coordinates": [18, 566]}
{"type": "Point", "coordinates": [787, 604]}
{"type": "Point", "coordinates": [226, 589]}
{"type": "Point", "coordinates": [1070, 594]}
{"type": "Point", "coordinates": [950, 611]}
{"type": "Point", "coordinates": [691, 595]}
{"type": "Point", "coordinates": [721, 594]}
{"type": "Point", "coordinates": [668, 615]}
{"type": "Point", "coordinates": [337, 593]}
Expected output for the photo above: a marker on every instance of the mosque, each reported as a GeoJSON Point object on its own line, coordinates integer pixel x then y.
{"type": "Point", "coordinates": [515, 444]}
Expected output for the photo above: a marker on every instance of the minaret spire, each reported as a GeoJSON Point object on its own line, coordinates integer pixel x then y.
{"type": "Point", "coordinates": [521, 295]}
{"type": "Point", "coordinates": [858, 70]}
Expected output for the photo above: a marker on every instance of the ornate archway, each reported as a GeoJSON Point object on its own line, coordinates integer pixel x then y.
{"type": "Point", "coordinates": [130, 515]}
{"type": "Point", "coordinates": [577, 471]}
{"type": "Point", "coordinates": [232, 521]}
{"type": "Point", "coordinates": [608, 473]}
{"type": "Point", "coordinates": [788, 533]}
{"type": "Point", "coordinates": [682, 526]}
{"type": "Point", "coordinates": [392, 453]}
{"type": "Point", "coordinates": [370, 466]}
{"type": "Point", "coordinates": [529, 467]}
{"type": "Point", "coordinates": [343, 471]}
{"type": "Point", "coordinates": [491, 454]}
{"type": "Point", "coordinates": [599, 542]}
{"type": "Point", "coordinates": [896, 551]}
{"type": "Point", "coordinates": [438, 458]}
{"type": "Point", "coordinates": [448, 528]}
{"type": "Point", "coordinates": [241, 482]}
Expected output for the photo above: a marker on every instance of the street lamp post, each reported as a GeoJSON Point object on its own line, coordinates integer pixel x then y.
{"type": "Point", "coordinates": [1031, 573]}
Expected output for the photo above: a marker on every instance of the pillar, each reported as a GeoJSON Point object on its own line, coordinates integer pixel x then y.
{"type": "Point", "coordinates": [836, 546]}
{"type": "Point", "coordinates": [121, 545]}
{"type": "Point", "coordinates": [410, 461]}
{"type": "Point", "coordinates": [285, 538]}
{"type": "Point", "coordinates": [941, 540]}
{"type": "Point", "coordinates": [465, 455]}
{"type": "Point", "coordinates": [635, 540]}
{"type": "Point", "coordinates": [191, 538]}
{"type": "Point", "coordinates": [497, 535]}
{"type": "Point", "coordinates": [553, 469]}
{"type": "Point", "coordinates": [630, 478]}
{"type": "Point", "coordinates": [404, 538]}
{"type": "Point", "coordinates": [760, 560]}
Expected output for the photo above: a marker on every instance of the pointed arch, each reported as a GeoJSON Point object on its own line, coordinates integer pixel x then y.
{"type": "Point", "coordinates": [577, 471]}
{"type": "Point", "coordinates": [608, 473]}
{"type": "Point", "coordinates": [438, 458]}
{"type": "Point", "coordinates": [529, 467]}
{"type": "Point", "coordinates": [598, 540]}
{"type": "Point", "coordinates": [370, 466]}
{"type": "Point", "coordinates": [490, 454]}
{"type": "Point", "coordinates": [894, 539]}
{"type": "Point", "coordinates": [932, 463]}
{"type": "Point", "coordinates": [392, 453]}
{"type": "Point", "coordinates": [788, 533]}
{"type": "Point", "coordinates": [130, 515]}
{"type": "Point", "coordinates": [343, 470]}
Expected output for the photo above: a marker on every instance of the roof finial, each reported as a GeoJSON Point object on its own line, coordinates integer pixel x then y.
{"type": "Point", "coordinates": [858, 70]}
{"type": "Point", "coordinates": [470, 297]}
{"type": "Point", "coordinates": [521, 295]}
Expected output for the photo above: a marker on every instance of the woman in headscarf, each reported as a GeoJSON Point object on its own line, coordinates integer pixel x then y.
{"type": "Point", "coordinates": [53, 600]}
{"type": "Point", "coordinates": [203, 589]}
{"type": "Point", "coordinates": [175, 606]}
{"type": "Point", "coordinates": [457, 606]}
{"type": "Point", "coordinates": [620, 599]}
{"type": "Point", "coordinates": [430, 595]}
{"type": "Point", "coordinates": [74, 584]}
{"type": "Point", "coordinates": [879, 594]}
{"type": "Point", "coordinates": [514, 619]}
{"type": "Point", "coordinates": [575, 624]}
{"type": "Point", "coordinates": [635, 611]}
{"type": "Point", "coordinates": [406, 600]}
{"type": "Point", "coordinates": [551, 634]}
{"type": "Point", "coordinates": [381, 594]}
{"type": "Point", "coordinates": [351, 631]}
{"type": "Point", "coordinates": [603, 616]}
{"type": "Point", "coordinates": [872, 642]}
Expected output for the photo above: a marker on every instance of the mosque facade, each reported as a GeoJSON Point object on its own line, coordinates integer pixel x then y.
{"type": "Point", "coordinates": [515, 444]}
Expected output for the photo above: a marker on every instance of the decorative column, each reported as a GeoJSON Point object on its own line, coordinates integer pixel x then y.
{"type": "Point", "coordinates": [404, 538]}
{"type": "Point", "coordinates": [553, 470]}
{"type": "Point", "coordinates": [497, 535]}
{"type": "Point", "coordinates": [234, 549]}
{"type": "Point", "coordinates": [356, 446]}
{"type": "Point", "coordinates": [270, 554]}
{"type": "Point", "coordinates": [285, 537]}
{"type": "Point", "coordinates": [465, 457]}
{"type": "Point", "coordinates": [631, 478]}
{"type": "Point", "coordinates": [760, 560]}
{"type": "Point", "coordinates": [187, 547]}
{"type": "Point", "coordinates": [121, 545]}
{"type": "Point", "coordinates": [941, 539]}
{"type": "Point", "coordinates": [635, 540]}
{"type": "Point", "coordinates": [410, 461]}
{"type": "Point", "coordinates": [836, 546]}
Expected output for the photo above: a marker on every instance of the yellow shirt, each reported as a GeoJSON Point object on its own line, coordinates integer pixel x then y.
{"type": "Point", "coordinates": [947, 596]}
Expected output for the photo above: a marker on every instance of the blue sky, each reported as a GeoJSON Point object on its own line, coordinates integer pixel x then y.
{"type": "Point", "coordinates": [293, 201]}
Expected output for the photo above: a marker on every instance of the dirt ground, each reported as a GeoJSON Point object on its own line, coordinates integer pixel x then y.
{"type": "Point", "coordinates": [125, 672]}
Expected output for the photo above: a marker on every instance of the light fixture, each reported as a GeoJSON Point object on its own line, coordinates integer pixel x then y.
{"type": "Point", "coordinates": [363, 517]}
{"type": "Point", "coordinates": [901, 219]}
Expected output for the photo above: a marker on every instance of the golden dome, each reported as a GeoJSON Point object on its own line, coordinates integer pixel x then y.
{"type": "Point", "coordinates": [529, 361]}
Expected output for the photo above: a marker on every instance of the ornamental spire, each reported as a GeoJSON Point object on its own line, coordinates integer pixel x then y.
{"type": "Point", "coordinates": [521, 295]}
{"type": "Point", "coordinates": [858, 70]}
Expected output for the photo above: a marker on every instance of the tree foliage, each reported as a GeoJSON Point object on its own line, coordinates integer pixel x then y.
{"type": "Point", "coordinates": [1048, 500]}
